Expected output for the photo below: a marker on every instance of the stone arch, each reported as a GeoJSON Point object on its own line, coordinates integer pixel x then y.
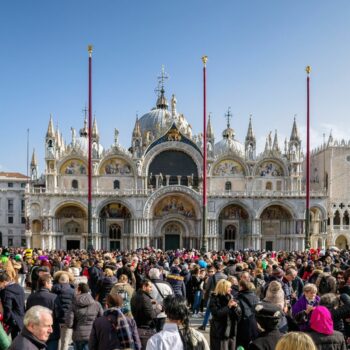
{"type": "Point", "coordinates": [341, 242]}
{"type": "Point", "coordinates": [284, 205]}
{"type": "Point", "coordinates": [316, 220]}
{"type": "Point", "coordinates": [248, 209]}
{"type": "Point", "coordinates": [71, 219]}
{"type": "Point", "coordinates": [346, 218]}
{"type": "Point", "coordinates": [105, 202]}
{"type": "Point", "coordinates": [336, 218]}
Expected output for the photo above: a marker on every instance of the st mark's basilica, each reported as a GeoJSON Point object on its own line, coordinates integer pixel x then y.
{"type": "Point", "coordinates": [151, 193]}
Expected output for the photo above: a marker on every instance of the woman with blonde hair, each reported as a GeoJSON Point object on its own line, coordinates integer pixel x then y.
{"type": "Point", "coordinates": [296, 340]}
{"type": "Point", "coordinates": [105, 285]}
{"type": "Point", "coordinates": [226, 313]}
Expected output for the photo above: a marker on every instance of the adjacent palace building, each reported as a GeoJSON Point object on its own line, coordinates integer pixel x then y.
{"type": "Point", "coordinates": [151, 193]}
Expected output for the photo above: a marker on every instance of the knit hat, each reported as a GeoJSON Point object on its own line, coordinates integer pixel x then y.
{"type": "Point", "coordinates": [277, 272]}
{"type": "Point", "coordinates": [267, 315]}
{"type": "Point", "coordinates": [321, 320]}
{"type": "Point", "coordinates": [275, 294]}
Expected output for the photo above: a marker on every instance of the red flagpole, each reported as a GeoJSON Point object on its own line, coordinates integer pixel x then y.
{"type": "Point", "coordinates": [307, 226]}
{"type": "Point", "coordinates": [204, 209]}
{"type": "Point", "coordinates": [90, 246]}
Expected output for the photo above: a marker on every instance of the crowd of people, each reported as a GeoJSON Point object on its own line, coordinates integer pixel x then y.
{"type": "Point", "coordinates": [144, 299]}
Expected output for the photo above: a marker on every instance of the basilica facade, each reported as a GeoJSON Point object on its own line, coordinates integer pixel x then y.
{"type": "Point", "coordinates": [151, 193]}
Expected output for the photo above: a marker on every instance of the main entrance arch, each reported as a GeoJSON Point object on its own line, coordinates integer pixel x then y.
{"type": "Point", "coordinates": [172, 233]}
{"type": "Point", "coordinates": [276, 221]}
{"type": "Point", "coordinates": [234, 227]}
{"type": "Point", "coordinates": [115, 219]}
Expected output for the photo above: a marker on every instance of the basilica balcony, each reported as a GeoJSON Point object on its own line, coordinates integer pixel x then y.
{"type": "Point", "coordinates": [266, 194]}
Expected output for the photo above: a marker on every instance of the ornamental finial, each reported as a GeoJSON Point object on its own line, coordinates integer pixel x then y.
{"type": "Point", "coordinates": [90, 47]}
{"type": "Point", "coordinates": [308, 69]}
{"type": "Point", "coordinates": [204, 60]}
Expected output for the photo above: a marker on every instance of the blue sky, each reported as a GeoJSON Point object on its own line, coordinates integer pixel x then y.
{"type": "Point", "coordinates": [257, 53]}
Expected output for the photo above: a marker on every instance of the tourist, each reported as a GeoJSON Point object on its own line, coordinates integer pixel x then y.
{"type": "Point", "coordinates": [104, 285]}
{"type": "Point", "coordinates": [296, 340]}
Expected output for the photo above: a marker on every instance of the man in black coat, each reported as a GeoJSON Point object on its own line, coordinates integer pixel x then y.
{"type": "Point", "coordinates": [142, 306]}
{"type": "Point", "coordinates": [95, 273]}
{"type": "Point", "coordinates": [12, 299]}
{"type": "Point", "coordinates": [36, 331]}
{"type": "Point", "coordinates": [65, 295]}
{"type": "Point", "coordinates": [44, 297]}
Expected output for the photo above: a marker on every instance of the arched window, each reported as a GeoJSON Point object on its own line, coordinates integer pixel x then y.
{"type": "Point", "coordinates": [268, 186]}
{"type": "Point", "coordinates": [336, 218]}
{"type": "Point", "coordinates": [116, 184]}
{"type": "Point", "coordinates": [230, 233]}
{"type": "Point", "coordinates": [346, 218]}
{"type": "Point", "coordinates": [228, 186]}
{"type": "Point", "coordinates": [115, 231]}
{"type": "Point", "coordinates": [75, 184]}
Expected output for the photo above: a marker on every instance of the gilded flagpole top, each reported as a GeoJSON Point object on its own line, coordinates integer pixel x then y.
{"type": "Point", "coordinates": [204, 60]}
{"type": "Point", "coordinates": [90, 47]}
{"type": "Point", "coordinates": [308, 70]}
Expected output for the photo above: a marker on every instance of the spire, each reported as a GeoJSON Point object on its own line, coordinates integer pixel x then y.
{"type": "Point", "coordinates": [228, 133]}
{"type": "Point", "coordinates": [294, 135]}
{"type": "Point", "coordinates": [137, 130]}
{"type": "Point", "coordinates": [266, 145]}
{"type": "Point", "coordinates": [95, 133]}
{"type": "Point", "coordinates": [34, 161]}
{"type": "Point", "coordinates": [162, 102]}
{"type": "Point", "coordinates": [275, 142]}
{"type": "Point", "coordinates": [285, 146]}
{"type": "Point", "coordinates": [50, 129]}
{"type": "Point", "coordinates": [210, 131]}
{"type": "Point", "coordinates": [58, 137]}
{"type": "Point", "coordinates": [250, 133]}
{"type": "Point", "coordinates": [330, 139]}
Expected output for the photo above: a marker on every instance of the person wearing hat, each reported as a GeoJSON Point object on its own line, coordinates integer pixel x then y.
{"type": "Point", "coordinates": [177, 281]}
{"type": "Point", "coordinates": [268, 317]}
{"type": "Point", "coordinates": [322, 331]}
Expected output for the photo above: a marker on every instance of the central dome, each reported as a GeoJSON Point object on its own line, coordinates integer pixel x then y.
{"type": "Point", "coordinates": [158, 120]}
{"type": "Point", "coordinates": [228, 144]}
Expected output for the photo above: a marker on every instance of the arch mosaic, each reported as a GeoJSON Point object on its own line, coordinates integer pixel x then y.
{"type": "Point", "coordinates": [116, 166]}
{"type": "Point", "coordinates": [174, 204]}
{"type": "Point", "coordinates": [228, 167]}
{"type": "Point", "coordinates": [233, 212]}
{"type": "Point", "coordinates": [269, 168]}
{"type": "Point", "coordinates": [275, 212]}
{"type": "Point", "coordinates": [115, 211]}
{"type": "Point", "coordinates": [73, 166]}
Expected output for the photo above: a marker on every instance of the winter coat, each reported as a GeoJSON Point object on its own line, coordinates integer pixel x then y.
{"type": "Point", "coordinates": [247, 328]}
{"type": "Point", "coordinates": [65, 295]}
{"type": "Point", "coordinates": [177, 283]}
{"type": "Point", "coordinates": [142, 309]}
{"type": "Point", "coordinates": [104, 287]}
{"type": "Point", "coordinates": [334, 341]}
{"type": "Point", "coordinates": [224, 320]}
{"type": "Point", "coordinates": [103, 335]}
{"type": "Point", "coordinates": [12, 299]}
{"type": "Point", "coordinates": [82, 315]}
{"type": "Point", "coordinates": [266, 340]}
{"type": "Point", "coordinates": [299, 314]}
{"type": "Point", "coordinates": [160, 290]}
{"type": "Point", "coordinates": [26, 341]}
{"type": "Point", "coordinates": [95, 274]}
{"type": "Point", "coordinates": [44, 297]}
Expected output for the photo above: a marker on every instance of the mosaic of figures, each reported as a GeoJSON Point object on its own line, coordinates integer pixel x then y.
{"type": "Point", "coordinates": [270, 169]}
{"type": "Point", "coordinates": [228, 168]}
{"type": "Point", "coordinates": [174, 205]}
{"type": "Point", "coordinates": [115, 166]}
{"type": "Point", "coordinates": [115, 210]}
{"type": "Point", "coordinates": [74, 167]}
{"type": "Point", "coordinates": [275, 212]}
{"type": "Point", "coordinates": [234, 212]}
{"type": "Point", "coordinates": [71, 212]}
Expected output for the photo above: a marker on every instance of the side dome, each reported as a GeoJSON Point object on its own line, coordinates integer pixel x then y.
{"type": "Point", "coordinates": [229, 144]}
{"type": "Point", "coordinates": [82, 144]}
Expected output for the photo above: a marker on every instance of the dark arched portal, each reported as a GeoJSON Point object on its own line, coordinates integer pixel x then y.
{"type": "Point", "coordinates": [177, 166]}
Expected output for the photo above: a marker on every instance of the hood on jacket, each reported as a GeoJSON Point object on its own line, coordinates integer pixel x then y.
{"type": "Point", "coordinates": [83, 300]}
{"type": "Point", "coordinates": [14, 288]}
{"type": "Point", "coordinates": [321, 320]}
{"type": "Point", "coordinates": [59, 288]}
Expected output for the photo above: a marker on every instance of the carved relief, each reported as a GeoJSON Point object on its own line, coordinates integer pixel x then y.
{"type": "Point", "coordinates": [228, 168]}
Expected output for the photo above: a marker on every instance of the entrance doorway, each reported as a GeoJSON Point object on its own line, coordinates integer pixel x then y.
{"type": "Point", "coordinates": [114, 245]}
{"type": "Point", "coordinates": [172, 242]}
{"type": "Point", "coordinates": [229, 245]}
{"type": "Point", "coordinates": [268, 245]}
{"type": "Point", "coordinates": [73, 244]}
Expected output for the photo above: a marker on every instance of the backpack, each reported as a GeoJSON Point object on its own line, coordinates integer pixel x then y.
{"type": "Point", "coordinates": [126, 308]}
{"type": "Point", "coordinates": [324, 286]}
